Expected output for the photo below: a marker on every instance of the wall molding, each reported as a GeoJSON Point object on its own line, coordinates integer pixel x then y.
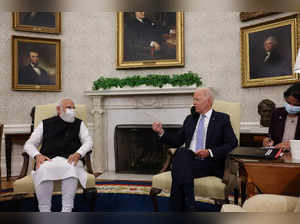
{"type": "Point", "coordinates": [252, 127]}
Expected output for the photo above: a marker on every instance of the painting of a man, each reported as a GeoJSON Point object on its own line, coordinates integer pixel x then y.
{"type": "Point", "coordinates": [270, 53]}
{"type": "Point", "coordinates": [149, 36]}
{"type": "Point", "coordinates": [33, 73]}
{"type": "Point", "coordinates": [46, 19]}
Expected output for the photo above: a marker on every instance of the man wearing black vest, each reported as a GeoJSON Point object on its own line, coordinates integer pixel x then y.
{"type": "Point", "coordinates": [208, 137]}
{"type": "Point", "coordinates": [64, 140]}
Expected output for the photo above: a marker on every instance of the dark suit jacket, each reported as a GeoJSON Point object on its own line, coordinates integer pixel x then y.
{"type": "Point", "coordinates": [278, 123]}
{"type": "Point", "coordinates": [220, 138]}
{"type": "Point", "coordinates": [27, 76]}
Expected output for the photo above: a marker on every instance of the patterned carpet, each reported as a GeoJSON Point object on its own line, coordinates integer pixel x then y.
{"type": "Point", "coordinates": [111, 187]}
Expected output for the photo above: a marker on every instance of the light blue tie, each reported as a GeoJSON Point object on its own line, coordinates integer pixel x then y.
{"type": "Point", "coordinates": [200, 134]}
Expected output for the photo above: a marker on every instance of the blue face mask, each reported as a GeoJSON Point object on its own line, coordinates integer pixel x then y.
{"type": "Point", "coordinates": [292, 109]}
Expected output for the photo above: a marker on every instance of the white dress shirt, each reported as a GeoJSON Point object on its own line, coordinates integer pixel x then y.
{"type": "Point", "coordinates": [58, 168]}
{"type": "Point", "coordinates": [194, 139]}
{"type": "Point", "coordinates": [36, 138]}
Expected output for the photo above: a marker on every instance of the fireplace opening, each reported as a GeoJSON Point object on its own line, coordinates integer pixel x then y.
{"type": "Point", "coordinates": [137, 149]}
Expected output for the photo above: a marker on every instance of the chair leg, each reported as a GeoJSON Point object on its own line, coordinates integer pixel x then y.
{"type": "Point", "coordinates": [92, 194]}
{"type": "Point", "coordinates": [243, 192]}
{"type": "Point", "coordinates": [236, 195]}
{"type": "Point", "coordinates": [36, 202]}
{"type": "Point", "coordinates": [153, 193]}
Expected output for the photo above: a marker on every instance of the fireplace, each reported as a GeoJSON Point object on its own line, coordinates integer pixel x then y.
{"type": "Point", "coordinates": [137, 149]}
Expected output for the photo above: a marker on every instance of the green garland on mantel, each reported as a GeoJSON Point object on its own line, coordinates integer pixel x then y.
{"type": "Point", "coordinates": [185, 79]}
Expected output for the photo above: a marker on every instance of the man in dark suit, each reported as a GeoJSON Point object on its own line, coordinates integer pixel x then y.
{"type": "Point", "coordinates": [273, 62]}
{"type": "Point", "coordinates": [144, 39]}
{"type": "Point", "coordinates": [285, 123]}
{"type": "Point", "coordinates": [33, 74]}
{"type": "Point", "coordinates": [208, 137]}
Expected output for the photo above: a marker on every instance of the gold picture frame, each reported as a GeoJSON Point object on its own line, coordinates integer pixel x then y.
{"type": "Point", "coordinates": [268, 52]}
{"type": "Point", "coordinates": [36, 64]}
{"type": "Point", "coordinates": [40, 22]}
{"type": "Point", "coordinates": [246, 16]}
{"type": "Point", "coordinates": [135, 49]}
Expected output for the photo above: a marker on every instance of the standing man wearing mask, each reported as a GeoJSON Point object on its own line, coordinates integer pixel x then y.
{"type": "Point", "coordinates": [64, 140]}
{"type": "Point", "coordinates": [285, 124]}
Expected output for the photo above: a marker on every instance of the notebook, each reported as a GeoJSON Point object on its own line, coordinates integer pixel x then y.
{"type": "Point", "coordinates": [255, 152]}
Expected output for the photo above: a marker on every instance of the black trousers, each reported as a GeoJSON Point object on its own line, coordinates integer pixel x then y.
{"type": "Point", "coordinates": [185, 168]}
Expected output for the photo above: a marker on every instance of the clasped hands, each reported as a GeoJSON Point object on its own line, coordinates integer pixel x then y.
{"type": "Point", "coordinates": [72, 159]}
{"type": "Point", "coordinates": [157, 127]}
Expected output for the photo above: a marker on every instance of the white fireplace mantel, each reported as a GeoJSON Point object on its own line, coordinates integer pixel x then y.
{"type": "Point", "coordinates": [141, 91]}
{"type": "Point", "coordinates": [138, 106]}
{"type": "Point", "coordinates": [109, 105]}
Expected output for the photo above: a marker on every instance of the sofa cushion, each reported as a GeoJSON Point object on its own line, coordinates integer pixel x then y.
{"type": "Point", "coordinates": [270, 203]}
{"type": "Point", "coordinates": [25, 184]}
{"type": "Point", "coordinates": [210, 186]}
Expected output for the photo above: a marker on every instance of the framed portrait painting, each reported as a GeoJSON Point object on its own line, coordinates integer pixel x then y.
{"type": "Point", "coordinates": [149, 39]}
{"type": "Point", "coordinates": [36, 64]}
{"type": "Point", "coordinates": [268, 52]}
{"type": "Point", "coordinates": [41, 22]}
{"type": "Point", "coordinates": [246, 16]}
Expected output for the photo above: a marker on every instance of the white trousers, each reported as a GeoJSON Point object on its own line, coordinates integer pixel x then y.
{"type": "Point", "coordinates": [44, 194]}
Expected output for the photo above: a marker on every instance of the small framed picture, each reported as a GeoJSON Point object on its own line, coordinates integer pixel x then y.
{"type": "Point", "coordinates": [268, 52]}
{"type": "Point", "coordinates": [36, 64]}
{"type": "Point", "coordinates": [41, 22]}
{"type": "Point", "coordinates": [149, 39]}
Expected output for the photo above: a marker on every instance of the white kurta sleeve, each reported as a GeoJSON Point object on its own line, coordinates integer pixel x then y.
{"type": "Point", "coordinates": [32, 144]}
{"type": "Point", "coordinates": [85, 139]}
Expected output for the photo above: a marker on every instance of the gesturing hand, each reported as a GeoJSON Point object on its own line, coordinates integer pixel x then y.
{"type": "Point", "coordinates": [73, 158]}
{"type": "Point", "coordinates": [157, 127]}
{"type": "Point", "coordinates": [40, 159]}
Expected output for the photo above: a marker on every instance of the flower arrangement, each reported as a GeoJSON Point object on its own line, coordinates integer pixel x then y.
{"type": "Point", "coordinates": [156, 80]}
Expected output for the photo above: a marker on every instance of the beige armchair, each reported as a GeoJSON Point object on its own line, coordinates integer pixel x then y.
{"type": "Point", "coordinates": [266, 203]}
{"type": "Point", "coordinates": [24, 184]}
{"type": "Point", "coordinates": [209, 187]}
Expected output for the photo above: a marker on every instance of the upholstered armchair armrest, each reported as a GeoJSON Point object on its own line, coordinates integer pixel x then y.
{"type": "Point", "coordinates": [270, 203]}
{"type": "Point", "coordinates": [232, 208]}
{"type": "Point", "coordinates": [88, 162]}
{"type": "Point", "coordinates": [24, 169]}
{"type": "Point", "coordinates": [167, 164]}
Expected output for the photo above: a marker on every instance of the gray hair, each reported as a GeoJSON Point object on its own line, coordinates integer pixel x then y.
{"type": "Point", "coordinates": [208, 93]}
{"type": "Point", "coordinates": [59, 102]}
{"type": "Point", "coordinates": [273, 39]}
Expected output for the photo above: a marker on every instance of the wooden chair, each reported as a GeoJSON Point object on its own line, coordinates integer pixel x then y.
{"type": "Point", "coordinates": [24, 184]}
{"type": "Point", "coordinates": [210, 187]}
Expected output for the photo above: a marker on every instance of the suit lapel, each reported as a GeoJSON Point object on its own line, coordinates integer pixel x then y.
{"type": "Point", "coordinates": [281, 123]}
{"type": "Point", "coordinates": [210, 127]}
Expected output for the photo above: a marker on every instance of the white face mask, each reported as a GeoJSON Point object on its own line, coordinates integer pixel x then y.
{"type": "Point", "coordinates": [68, 116]}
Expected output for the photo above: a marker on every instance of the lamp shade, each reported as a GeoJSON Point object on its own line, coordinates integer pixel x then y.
{"type": "Point", "coordinates": [297, 64]}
